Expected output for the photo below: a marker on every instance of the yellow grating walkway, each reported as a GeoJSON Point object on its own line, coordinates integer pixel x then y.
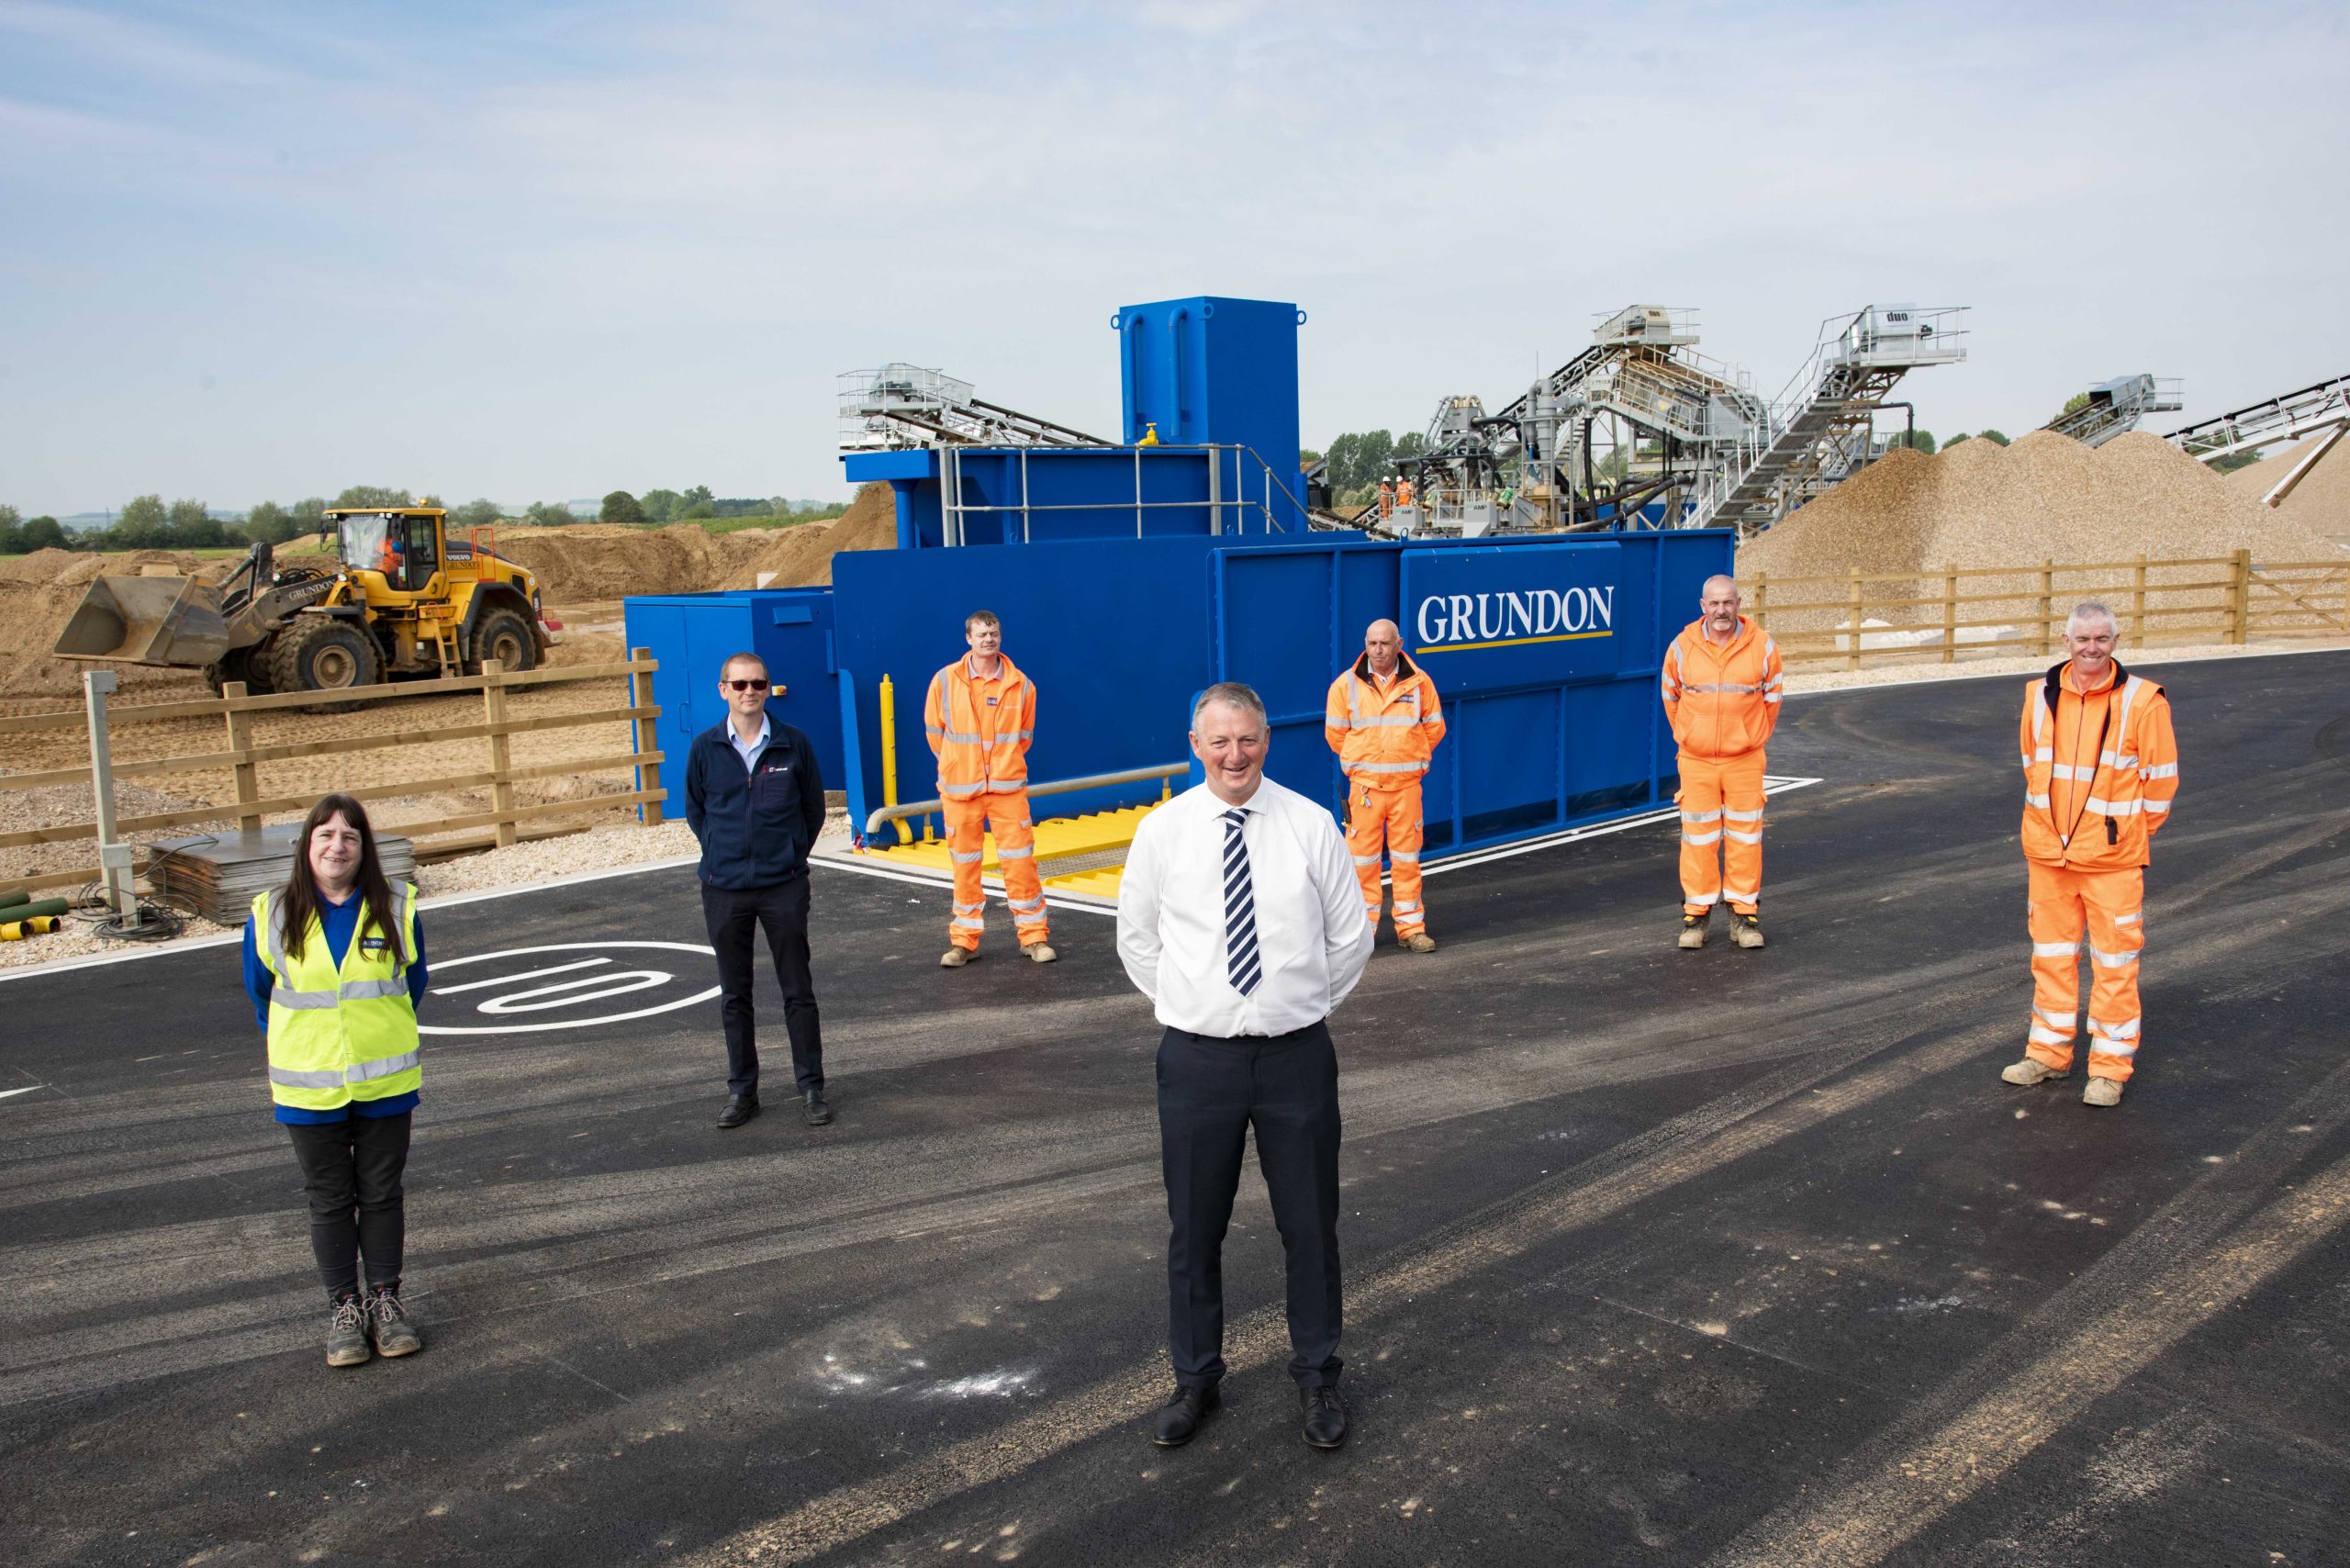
{"type": "Point", "coordinates": [1093, 837]}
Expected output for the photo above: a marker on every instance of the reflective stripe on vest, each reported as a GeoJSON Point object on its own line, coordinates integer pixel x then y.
{"type": "Point", "coordinates": [339, 1034]}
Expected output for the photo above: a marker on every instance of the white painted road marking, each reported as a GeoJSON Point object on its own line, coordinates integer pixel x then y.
{"type": "Point", "coordinates": [26, 1090]}
{"type": "Point", "coordinates": [505, 998]}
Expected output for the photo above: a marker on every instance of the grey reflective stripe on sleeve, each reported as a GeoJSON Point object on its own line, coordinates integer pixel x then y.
{"type": "Point", "coordinates": [382, 1067]}
{"type": "Point", "coordinates": [292, 1080]}
{"type": "Point", "coordinates": [2160, 770]}
{"type": "Point", "coordinates": [2032, 800]}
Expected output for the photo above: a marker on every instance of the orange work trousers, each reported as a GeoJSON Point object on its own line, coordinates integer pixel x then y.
{"type": "Point", "coordinates": [2105, 911]}
{"type": "Point", "coordinates": [1006, 816]}
{"type": "Point", "coordinates": [1388, 817]}
{"type": "Point", "coordinates": [1721, 804]}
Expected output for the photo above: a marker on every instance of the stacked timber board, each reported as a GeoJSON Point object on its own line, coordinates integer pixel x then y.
{"type": "Point", "coordinates": [218, 874]}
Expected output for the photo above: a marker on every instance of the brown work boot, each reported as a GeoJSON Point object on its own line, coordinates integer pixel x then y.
{"type": "Point", "coordinates": [2102, 1091]}
{"type": "Point", "coordinates": [1692, 929]}
{"type": "Point", "coordinates": [2029, 1071]}
{"type": "Point", "coordinates": [1418, 941]}
{"type": "Point", "coordinates": [956, 958]}
{"type": "Point", "coordinates": [1746, 930]}
{"type": "Point", "coordinates": [1039, 952]}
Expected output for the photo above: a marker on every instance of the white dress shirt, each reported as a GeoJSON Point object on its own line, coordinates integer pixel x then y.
{"type": "Point", "coordinates": [1311, 932]}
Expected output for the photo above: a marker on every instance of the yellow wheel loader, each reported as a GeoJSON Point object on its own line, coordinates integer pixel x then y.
{"type": "Point", "coordinates": [403, 599]}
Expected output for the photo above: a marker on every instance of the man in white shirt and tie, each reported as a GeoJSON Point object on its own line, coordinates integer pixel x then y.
{"type": "Point", "coordinates": [1240, 918]}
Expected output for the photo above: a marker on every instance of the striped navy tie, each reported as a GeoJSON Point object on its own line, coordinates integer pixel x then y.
{"type": "Point", "coordinates": [1241, 959]}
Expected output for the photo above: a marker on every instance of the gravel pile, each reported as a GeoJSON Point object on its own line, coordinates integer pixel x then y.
{"type": "Point", "coordinates": [803, 556]}
{"type": "Point", "coordinates": [598, 561]}
{"type": "Point", "coordinates": [2321, 502]}
{"type": "Point", "coordinates": [1979, 504]}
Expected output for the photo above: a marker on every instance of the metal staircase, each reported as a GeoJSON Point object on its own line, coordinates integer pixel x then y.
{"type": "Point", "coordinates": [2323, 407]}
{"type": "Point", "coordinates": [2116, 406]}
{"type": "Point", "coordinates": [1817, 430]}
{"type": "Point", "coordinates": [903, 404]}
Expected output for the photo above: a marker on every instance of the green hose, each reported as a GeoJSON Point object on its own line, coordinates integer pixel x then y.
{"type": "Point", "coordinates": [32, 910]}
{"type": "Point", "coordinates": [15, 895]}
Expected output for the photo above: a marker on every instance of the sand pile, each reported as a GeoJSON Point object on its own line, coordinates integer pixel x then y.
{"type": "Point", "coordinates": [1980, 504]}
{"type": "Point", "coordinates": [39, 592]}
{"type": "Point", "coordinates": [2321, 501]}
{"type": "Point", "coordinates": [803, 556]}
{"type": "Point", "coordinates": [598, 561]}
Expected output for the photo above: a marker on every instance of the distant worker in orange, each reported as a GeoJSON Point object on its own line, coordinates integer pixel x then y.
{"type": "Point", "coordinates": [1404, 490]}
{"type": "Point", "coordinates": [1382, 719]}
{"type": "Point", "coordinates": [982, 719]}
{"type": "Point", "coordinates": [2100, 768]}
{"type": "Point", "coordinates": [1722, 689]}
{"type": "Point", "coordinates": [1386, 498]}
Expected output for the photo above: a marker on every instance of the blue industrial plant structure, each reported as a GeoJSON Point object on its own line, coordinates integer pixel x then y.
{"type": "Point", "coordinates": [1130, 578]}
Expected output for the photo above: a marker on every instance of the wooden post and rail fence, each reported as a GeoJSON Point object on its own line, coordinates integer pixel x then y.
{"type": "Point", "coordinates": [1860, 619]}
{"type": "Point", "coordinates": [504, 823]}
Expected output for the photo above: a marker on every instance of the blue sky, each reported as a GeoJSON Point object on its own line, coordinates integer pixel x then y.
{"type": "Point", "coordinates": [538, 252]}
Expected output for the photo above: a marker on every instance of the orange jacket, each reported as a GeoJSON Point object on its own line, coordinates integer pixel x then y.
{"type": "Point", "coordinates": [1382, 739]}
{"type": "Point", "coordinates": [980, 729]}
{"type": "Point", "coordinates": [1723, 701]}
{"type": "Point", "coordinates": [2100, 770]}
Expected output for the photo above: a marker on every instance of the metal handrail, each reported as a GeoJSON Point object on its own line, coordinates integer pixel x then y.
{"type": "Point", "coordinates": [884, 815]}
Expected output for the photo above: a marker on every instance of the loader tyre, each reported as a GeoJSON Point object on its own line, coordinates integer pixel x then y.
{"type": "Point", "coordinates": [317, 654]}
{"type": "Point", "coordinates": [506, 637]}
{"type": "Point", "coordinates": [248, 664]}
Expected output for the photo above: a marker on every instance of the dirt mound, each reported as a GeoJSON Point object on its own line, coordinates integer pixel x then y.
{"type": "Point", "coordinates": [39, 592]}
{"type": "Point", "coordinates": [1979, 504]}
{"type": "Point", "coordinates": [2320, 500]}
{"type": "Point", "coordinates": [598, 561]}
{"type": "Point", "coordinates": [803, 556]}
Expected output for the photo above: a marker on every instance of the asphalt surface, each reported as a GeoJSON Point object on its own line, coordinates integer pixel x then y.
{"type": "Point", "coordinates": [1652, 1257]}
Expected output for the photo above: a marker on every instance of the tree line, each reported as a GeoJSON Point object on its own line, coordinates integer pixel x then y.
{"type": "Point", "coordinates": [149, 522]}
{"type": "Point", "coordinates": [1359, 459]}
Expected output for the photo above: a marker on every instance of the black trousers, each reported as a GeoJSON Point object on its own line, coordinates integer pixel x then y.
{"type": "Point", "coordinates": [732, 917]}
{"type": "Point", "coordinates": [1211, 1092]}
{"type": "Point", "coordinates": [351, 1171]}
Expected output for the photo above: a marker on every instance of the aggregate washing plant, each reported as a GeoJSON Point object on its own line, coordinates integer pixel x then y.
{"type": "Point", "coordinates": [402, 600]}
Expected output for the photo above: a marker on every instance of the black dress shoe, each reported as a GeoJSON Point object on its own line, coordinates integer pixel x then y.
{"type": "Point", "coordinates": [739, 1109]}
{"type": "Point", "coordinates": [817, 1110]}
{"type": "Point", "coordinates": [1180, 1417]}
{"type": "Point", "coordinates": [1326, 1416]}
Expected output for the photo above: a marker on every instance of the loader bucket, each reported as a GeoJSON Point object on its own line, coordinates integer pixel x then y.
{"type": "Point", "coordinates": [146, 620]}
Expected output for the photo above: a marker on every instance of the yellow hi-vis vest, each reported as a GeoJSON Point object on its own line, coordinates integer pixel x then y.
{"type": "Point", "coordinates": [337, 1035]}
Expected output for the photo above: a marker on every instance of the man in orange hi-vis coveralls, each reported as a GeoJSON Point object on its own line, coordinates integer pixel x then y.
{"type": "Point", "coordinates": [1722, 689]}
{"type": "Point", "coordinates": [1382, 719]}
{"type": "Point", "coordinates": [2100, 768]}
{"type": "Point", "coordinates": [981, 717]}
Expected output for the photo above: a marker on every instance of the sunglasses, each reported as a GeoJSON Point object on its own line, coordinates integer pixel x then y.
{"type": "Point", "coordinates": [746, 684]}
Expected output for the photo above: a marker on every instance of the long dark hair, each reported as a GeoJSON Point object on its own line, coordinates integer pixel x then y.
{"type": "Point", "coordinates": [300, 898]}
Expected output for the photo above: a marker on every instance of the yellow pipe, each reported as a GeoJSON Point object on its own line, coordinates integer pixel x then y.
{"type": "Point", "coordinates": [889, 756]}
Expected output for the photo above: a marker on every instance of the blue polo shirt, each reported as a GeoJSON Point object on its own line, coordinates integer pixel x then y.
{"type": "Point", "coordinates": [340, 922]}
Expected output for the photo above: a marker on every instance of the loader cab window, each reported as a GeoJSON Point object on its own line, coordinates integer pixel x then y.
{"type": "Point", "coordinates": [423, 556]}
{"type": "Point", "coordinates": [368, 541]}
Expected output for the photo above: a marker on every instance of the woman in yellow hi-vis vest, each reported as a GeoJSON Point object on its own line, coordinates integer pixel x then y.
{"type": "Point", "coordinates": [334, 962]}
